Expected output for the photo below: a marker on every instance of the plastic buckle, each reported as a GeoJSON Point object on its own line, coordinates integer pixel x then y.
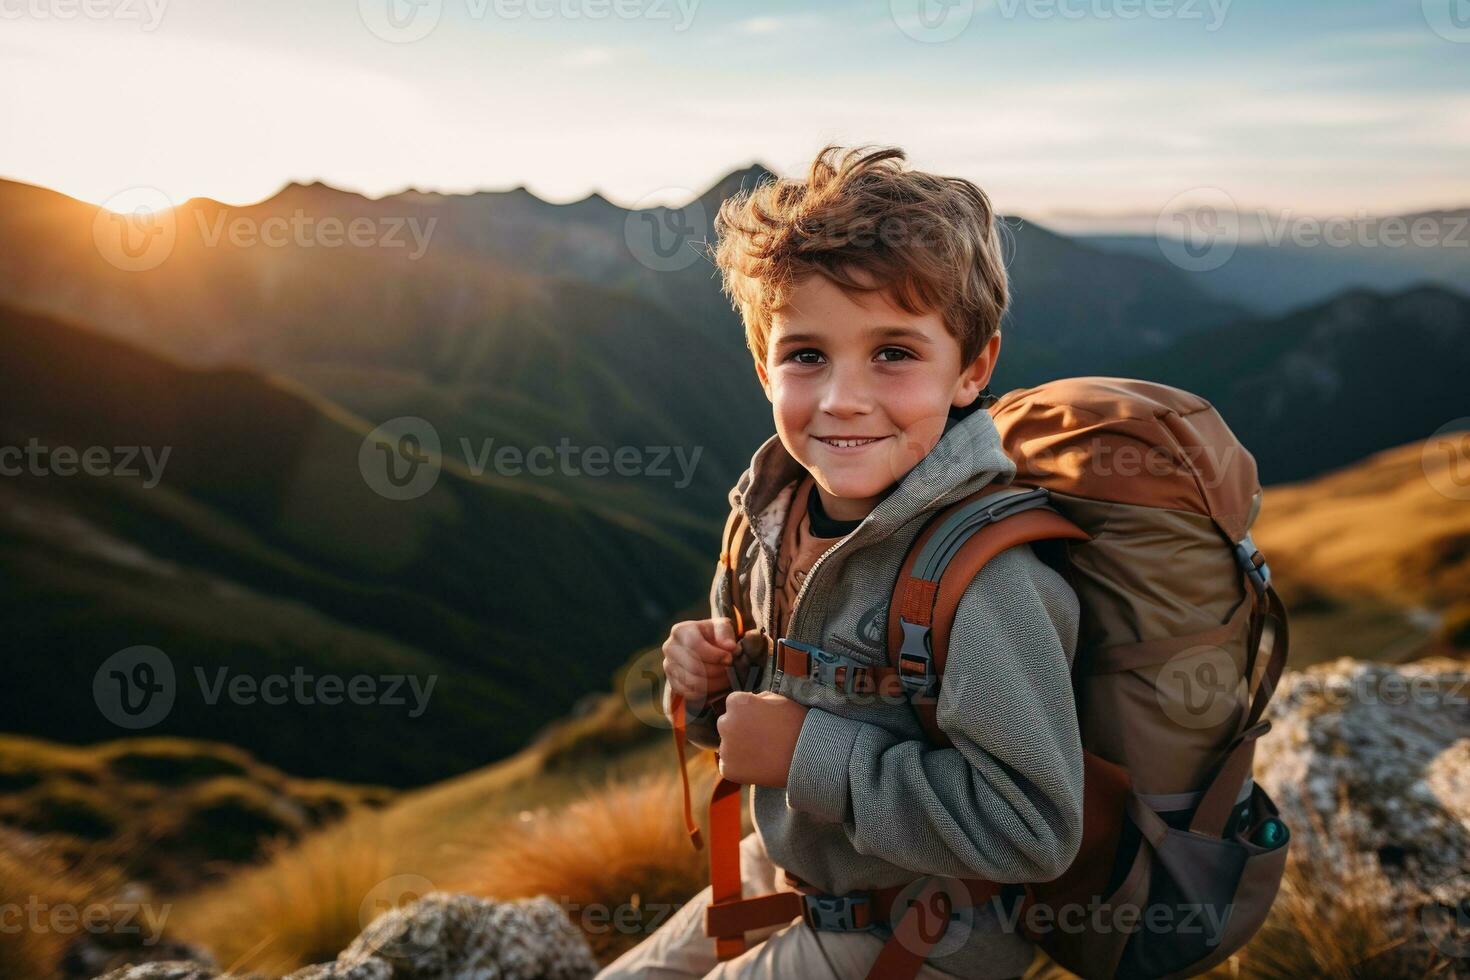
{"type": "Point", "coordinates": [824, 668]}
{"type": "Point", "coordinates": [1253, 564]}
{"type": "Point", "coordinates": [834, 913]}
{"type": "Point", "coordinates": [915, 661]}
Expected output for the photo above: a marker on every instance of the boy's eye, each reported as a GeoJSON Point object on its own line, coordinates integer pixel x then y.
{"type": "Point", "coordinates": [816, 355]}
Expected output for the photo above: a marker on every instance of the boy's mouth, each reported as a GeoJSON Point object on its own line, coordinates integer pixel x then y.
{"type": "Point", "coordinates": [849, 443]}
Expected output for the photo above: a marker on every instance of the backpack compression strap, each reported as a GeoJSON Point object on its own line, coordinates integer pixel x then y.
{"type": "Point", "coordinates": [944, 559]}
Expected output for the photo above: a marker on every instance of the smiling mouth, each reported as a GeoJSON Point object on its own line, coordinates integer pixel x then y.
{"type": "Point", "coordinates": [837, 443]}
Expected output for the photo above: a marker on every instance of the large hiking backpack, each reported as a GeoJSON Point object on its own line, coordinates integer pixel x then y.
{"type": "Point", "coordinates": [1142, 497]}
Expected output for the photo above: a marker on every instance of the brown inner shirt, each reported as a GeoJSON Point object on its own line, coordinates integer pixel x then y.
{"type": "Point", "coordinates": [798, 552]}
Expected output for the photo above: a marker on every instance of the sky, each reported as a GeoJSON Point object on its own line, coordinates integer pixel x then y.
{"type": "Point", "coordinates": [1055, 107]}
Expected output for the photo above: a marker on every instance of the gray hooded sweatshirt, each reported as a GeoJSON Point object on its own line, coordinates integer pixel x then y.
{"type": "Point", "coordinates": [869, 802]}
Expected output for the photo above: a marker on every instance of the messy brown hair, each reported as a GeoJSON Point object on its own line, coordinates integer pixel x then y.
{"type": "Point", "coordinates": [932, 241]}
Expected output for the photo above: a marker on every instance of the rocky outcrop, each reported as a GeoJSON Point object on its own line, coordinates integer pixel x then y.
{"type": "Point", "coordinates": [438, 937]}
{"type": "Point", "coordinates": [443, 936]}
{"type": "Point", "coordinates": [1371, 762]}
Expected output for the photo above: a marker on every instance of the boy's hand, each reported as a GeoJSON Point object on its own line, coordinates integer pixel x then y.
{"type": "Point", "coordinates": [758, 734]}
{"type": "Point", "coordinates": [697, 658]}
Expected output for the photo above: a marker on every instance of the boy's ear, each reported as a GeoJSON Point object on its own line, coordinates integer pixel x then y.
{"type": "Point", "coordinates": [977, 376]}
{"type": "Point", "coordinates": [760, 372]}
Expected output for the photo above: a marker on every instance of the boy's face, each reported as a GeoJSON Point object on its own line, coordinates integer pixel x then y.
{"type": "Point", "coordinates": [840, 367]}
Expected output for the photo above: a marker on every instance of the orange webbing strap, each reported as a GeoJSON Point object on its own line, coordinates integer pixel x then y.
{"type": "Point", "coordinates": [676, 708]}
{"type": "Point", "coordinates": [983, 545]}
{"type": "Point", "coordinates": [763, 911]}
{"type": "Point", "coordinates": [731, 541]}
{"type": "Point", "coordinates": [724, 862]}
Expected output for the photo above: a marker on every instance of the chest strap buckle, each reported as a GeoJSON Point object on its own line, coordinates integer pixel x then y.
{"type": "Point", "coordinates": [838, 913]}
{"type": "Point", "coordinates": [823, 667]}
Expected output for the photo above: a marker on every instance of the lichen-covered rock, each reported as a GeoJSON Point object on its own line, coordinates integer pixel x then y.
{"type": "Point", "coordinates": [460, 937]}
{"type": "Point", "coordinates": [1374, 759]}
{"type": "Point", "coordinates": [163, 970]}
{"type": "Point", "coordinates": [369, 968]}
{"type": "Point", "coordinates": [91, 955]}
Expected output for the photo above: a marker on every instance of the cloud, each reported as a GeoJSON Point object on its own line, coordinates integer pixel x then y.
{"type": "Point", "coordinates": [587, 57]}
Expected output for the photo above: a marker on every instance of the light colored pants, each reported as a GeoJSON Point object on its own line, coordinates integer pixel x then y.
{"type": "Point", "coordinates": [679, 949]}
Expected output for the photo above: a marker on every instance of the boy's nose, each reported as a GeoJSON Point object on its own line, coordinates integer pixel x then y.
{"type": "Point", "coordinates": [846, 393]}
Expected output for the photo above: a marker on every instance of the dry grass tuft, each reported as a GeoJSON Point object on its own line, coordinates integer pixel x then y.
{"type": "Point", "coordinates": [618, 860]}
{"type": "Point", "coordinates": [306, 903]}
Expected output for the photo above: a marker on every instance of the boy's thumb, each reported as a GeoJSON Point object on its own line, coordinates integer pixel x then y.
{"type": "Point", "coordinates": [724, 632]}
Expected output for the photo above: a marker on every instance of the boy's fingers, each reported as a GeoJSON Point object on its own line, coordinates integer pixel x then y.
{"type": "Point", "coordinates": [724, 632]}
{"type": "Point", "coordinates": [697, 678]}
{"type": "Point", "coordinates": [699, 639]}
{"type": "Point", "coordinates": [708, 651]}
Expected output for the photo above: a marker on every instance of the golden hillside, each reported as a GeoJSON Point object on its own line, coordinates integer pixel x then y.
{"type": "Point", "coordinates": [1374, 559]}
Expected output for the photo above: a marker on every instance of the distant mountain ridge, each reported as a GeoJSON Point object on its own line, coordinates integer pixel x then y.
{"type": "Point", "coordinates": [1329, 384]}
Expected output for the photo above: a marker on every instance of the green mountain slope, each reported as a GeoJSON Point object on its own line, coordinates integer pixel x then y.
{"type": "Point", "coordinates": [263, 547]}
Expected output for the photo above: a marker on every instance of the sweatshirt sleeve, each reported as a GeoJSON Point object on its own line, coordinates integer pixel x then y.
{"type": "Point", "coordinates": [1005, 802]}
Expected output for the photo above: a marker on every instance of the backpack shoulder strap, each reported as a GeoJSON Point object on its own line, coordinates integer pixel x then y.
{"type": "Point", "coordinates": [732, 548]}
{"type": "Point", "coordinates": [941, 563]}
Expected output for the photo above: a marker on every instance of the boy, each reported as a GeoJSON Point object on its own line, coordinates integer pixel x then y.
{"type": "Point", "coordinates": [872, 298]}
